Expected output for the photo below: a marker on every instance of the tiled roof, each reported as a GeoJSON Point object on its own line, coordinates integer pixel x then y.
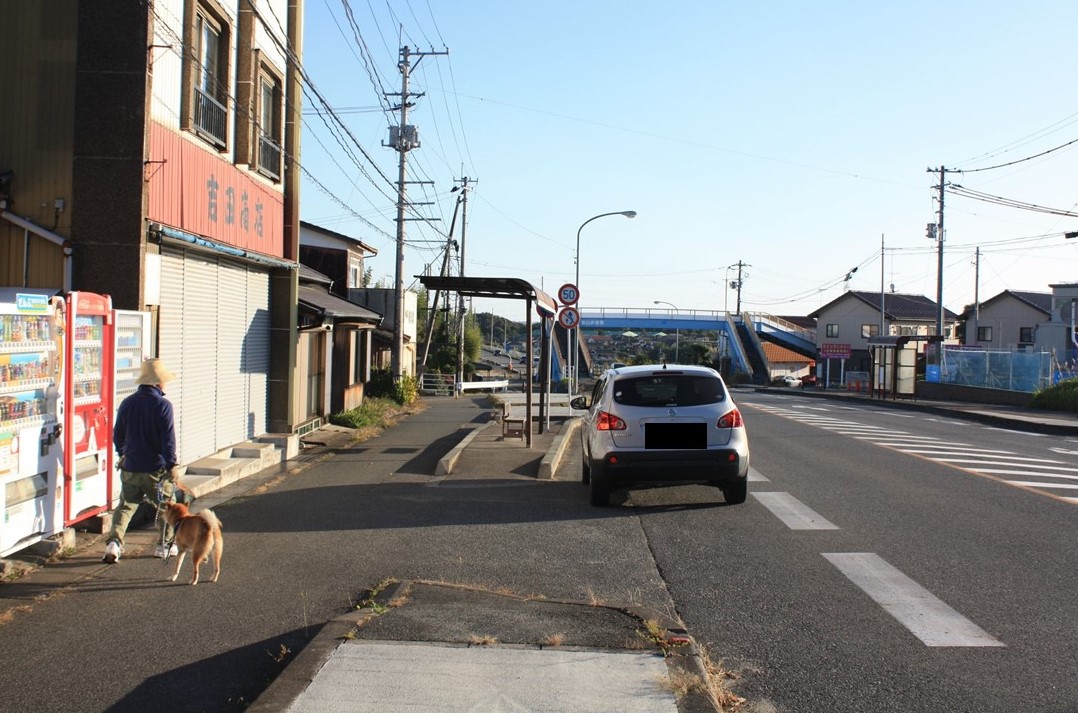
{"type": "Point", "coordinates": [898, 307]}
{"type": "Point", "coordinates": [777, 354]}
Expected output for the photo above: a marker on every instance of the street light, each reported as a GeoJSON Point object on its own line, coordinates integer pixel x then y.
{"type": "Point", "coordinates": [574, 367]}
{"type": "Point", "coordinates": [677, 332]}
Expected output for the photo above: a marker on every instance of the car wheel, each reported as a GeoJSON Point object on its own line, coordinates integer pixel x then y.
{"type": "Point", "coordinates": [600, 486]}
{"type": "Point", "coordinates": [736, 492]}
{"type": "Point", "coordinates": [600, 492]}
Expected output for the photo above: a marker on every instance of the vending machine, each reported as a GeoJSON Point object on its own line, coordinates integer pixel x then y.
{"type": "Point", "coordinates": [131, 347]}
{"type": "Point", "coordinates": [32, 338]}
{"type": "Point", "coordinates": [88, 414]}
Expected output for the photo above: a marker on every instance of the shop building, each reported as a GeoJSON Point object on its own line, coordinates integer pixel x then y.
{"type": "Point", "coordinates": [146, 153]}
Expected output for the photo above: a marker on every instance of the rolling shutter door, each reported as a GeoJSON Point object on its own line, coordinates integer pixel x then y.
{"type": "Point", "coordinates": [170, 335]}
{"type": "Point", "coordinates": [214, 333]}
{"type": "Point", "coordinates": [232, 330]}
{"type": "Point", "coordinates": [256, 355]}
{"type": "Point", "coordinates": [199, 403]}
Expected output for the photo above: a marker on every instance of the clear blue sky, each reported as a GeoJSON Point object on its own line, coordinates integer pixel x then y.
{"type": "Point", "coordinates": [788, 135]}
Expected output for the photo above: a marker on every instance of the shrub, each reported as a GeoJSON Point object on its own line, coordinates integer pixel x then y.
{"type": "Point", "coordinates": [382, 385]}
{"type": "Point", "coordinates": [1061, 397]}
{"type": "Point", "coordinates": [373, 412]}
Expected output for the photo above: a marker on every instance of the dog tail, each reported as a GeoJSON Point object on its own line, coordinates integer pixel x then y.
{"type": "Point", "coordinates": [211, 518]}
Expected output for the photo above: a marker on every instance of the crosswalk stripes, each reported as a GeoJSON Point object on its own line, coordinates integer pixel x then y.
{"type": "Point", "coordinates": [1042, 474]}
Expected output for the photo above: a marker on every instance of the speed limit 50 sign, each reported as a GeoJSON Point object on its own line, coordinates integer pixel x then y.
{"type": "Point", "coordinates": [568, 294]}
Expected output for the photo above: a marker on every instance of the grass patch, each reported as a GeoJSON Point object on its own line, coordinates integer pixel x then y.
{"type": "Point", "coordinates": [374, 412]}
{"type": "Point", "coordinates": [1061, 397]}
{"type": "Point", "coordinates": [482, 640]}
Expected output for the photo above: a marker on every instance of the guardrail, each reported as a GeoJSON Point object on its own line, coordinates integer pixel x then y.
{"type": "Point", "coordinates": [499, 385]}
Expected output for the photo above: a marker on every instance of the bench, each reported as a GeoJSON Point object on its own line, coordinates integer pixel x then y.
{"type": "Point", "coordinates": [512, 426]}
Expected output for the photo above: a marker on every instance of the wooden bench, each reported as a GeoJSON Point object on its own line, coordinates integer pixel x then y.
{"type": "Point", "coordinates": [512, 426]}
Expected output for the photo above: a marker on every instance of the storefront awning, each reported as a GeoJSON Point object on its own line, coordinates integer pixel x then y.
{"type": "Point", "coordinates": [333, 307]}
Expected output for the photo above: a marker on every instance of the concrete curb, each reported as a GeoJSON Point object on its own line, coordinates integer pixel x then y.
{"type": "Point", "coordinates": [300, 673]}
{"type": "Point", "coordinates": [449, 460]}
{"type": "Point", "coordinates": [549, 465]}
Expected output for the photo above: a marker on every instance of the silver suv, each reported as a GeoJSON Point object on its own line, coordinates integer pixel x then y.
{"type": "Point", "coordinates": [663, 424]}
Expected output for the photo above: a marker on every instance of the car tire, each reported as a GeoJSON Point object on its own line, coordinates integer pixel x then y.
{"type": "Point", "coordinates": [600, 493]}
{"type": "Point", "coordinates": [585, 471]}
{"type": "Point", "coordinates": [736, 492]}
{"type": "Point", "coordinates": [600, 487]}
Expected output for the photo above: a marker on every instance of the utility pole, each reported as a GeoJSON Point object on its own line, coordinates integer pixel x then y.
{"type": "Point", "coordinates": [404, 139]}
{"type": "Point", "coordinates": [463, 202]}
{"type": "Point", "coordinates": [740, 282]}
{"type": "Point", "coordinates": [936, 232]}
{"type": "Point", "coordinates": [976, 296]}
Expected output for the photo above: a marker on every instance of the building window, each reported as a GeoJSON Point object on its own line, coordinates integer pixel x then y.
{"type": "Point", "coordinates": [361, 364]}
{"type": "Point", "coordinates": [1025, 335]}
{"type": "Point", "coordinates": [355, 273]}
{"type": "Point", "coordinates": [269, 124]}
{"type": "Point", "coordinates": [984, 334]}
{"type": "Point", "coordinates": [832, 330]}
{"type": "Point", "coordinates": [211, 116]}
{"type": "Point", "coordinates": [869, 330]}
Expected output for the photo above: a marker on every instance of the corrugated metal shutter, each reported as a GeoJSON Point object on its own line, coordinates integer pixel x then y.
{"type": "Point", "coordinates": [256, 355]}
{"type": "Point", "coordinates": [170, 336]}
{"type": "Point", "coordinates": [202, 300]}
{"type": "Point", "coordinates": [232, 334]}
{"type": "Point", "coordinates": [214, 333]}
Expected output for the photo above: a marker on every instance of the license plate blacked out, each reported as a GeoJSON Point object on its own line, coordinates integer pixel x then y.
{"type": "Point", "coordinates": [675, 435]}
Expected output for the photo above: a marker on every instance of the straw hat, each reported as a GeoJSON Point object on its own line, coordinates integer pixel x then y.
{"type": "Point", "coordinates": [154, 372]}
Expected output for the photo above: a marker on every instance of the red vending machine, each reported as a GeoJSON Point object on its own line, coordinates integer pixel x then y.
{"type": "Point", "coordinates": [88, 413]}
{"type": "Point", "coordinates": [31, 404]}
{"type": "Point", "coordinates": [131, 347]}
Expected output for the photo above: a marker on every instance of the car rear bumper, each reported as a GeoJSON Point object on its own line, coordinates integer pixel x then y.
{"type": "Point", "coordinates": [691, 466]}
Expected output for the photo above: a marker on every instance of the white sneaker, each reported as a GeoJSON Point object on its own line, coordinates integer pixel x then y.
{"type": "Point", "coordinates": [164, 552]}
{"type": "Point", "coordinates": [112, 552]}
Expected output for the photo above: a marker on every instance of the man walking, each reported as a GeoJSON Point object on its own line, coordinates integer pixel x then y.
{"type": "Point", "coordinates": [145, 440]}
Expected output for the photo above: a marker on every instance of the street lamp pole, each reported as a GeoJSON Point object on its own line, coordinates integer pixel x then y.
{"type": "Point", "coordinates": [677, 333]}
{"type": "Point", "coordinates": [574, 353]}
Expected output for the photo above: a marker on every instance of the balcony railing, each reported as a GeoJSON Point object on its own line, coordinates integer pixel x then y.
{"type": "Point", "coordinates": [211, 117]}
{"type": "Point", "coordinates": [269, 156]}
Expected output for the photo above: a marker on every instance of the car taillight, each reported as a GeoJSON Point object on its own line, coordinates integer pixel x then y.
{"type": "Point", "coordinates": [609, 422]}
{"type": "Point", "coordinates": [731, 420]}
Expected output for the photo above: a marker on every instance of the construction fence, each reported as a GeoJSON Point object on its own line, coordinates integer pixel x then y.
{"type": "Point", "coordinates": [1012, 371]}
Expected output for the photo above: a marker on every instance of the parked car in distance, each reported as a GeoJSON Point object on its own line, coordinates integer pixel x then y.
{"type": "Point", "coordinates": [656, 424]}
{"type": "Point", "coordinates": [808, 380]}
{"type": "Point", "coordinates": [788, 380]}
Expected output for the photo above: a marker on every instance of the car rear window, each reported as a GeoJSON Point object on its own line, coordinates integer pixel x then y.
{"type": "Point", "coordinates": [669, 390]}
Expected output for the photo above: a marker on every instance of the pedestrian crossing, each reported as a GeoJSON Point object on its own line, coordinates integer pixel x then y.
{"type": "Point", "coordinates": [1056, 478]}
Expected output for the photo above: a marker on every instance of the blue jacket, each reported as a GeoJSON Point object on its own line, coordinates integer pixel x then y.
{"type": "Point", "coordinates": [145, 431]}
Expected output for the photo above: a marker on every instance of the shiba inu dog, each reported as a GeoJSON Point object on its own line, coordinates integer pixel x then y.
{"type": "Point", "coordinates": [197, 534]}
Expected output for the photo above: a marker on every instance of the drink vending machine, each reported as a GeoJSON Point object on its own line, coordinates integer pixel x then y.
{"type": "Point", "coordinates": [131, 348]}
{"type": "Point", "coordinates": [32, 337]}
{"type": "Point", "coordinates": [88, 475]}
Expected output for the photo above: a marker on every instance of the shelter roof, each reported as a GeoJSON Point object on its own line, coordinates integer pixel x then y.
{"type": "Point", "coordinates": [497, 287]}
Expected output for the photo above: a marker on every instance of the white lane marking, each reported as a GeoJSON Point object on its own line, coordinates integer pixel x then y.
{"type": "Point", "coordinates": [756, 477]}
{"type": "Point", "coordinates": [927, 617]}
{"type": "Point", "coordinates": [1016, 433]}
{"type": "Point", "coordinates": [1006, 471]}
{"type": "Point", "coordinates": [1071, 500]}
{"type": "Point", "coordinates": [793, 513]}
{"type": "Point", "coordinates": [1017, 460]}
{"type": "Point", "coordinates": [956, 450]}
{"type": "Point", "coordinates": [1042, 484]}
{"type": "Point", "coordinates": [1064, 451]}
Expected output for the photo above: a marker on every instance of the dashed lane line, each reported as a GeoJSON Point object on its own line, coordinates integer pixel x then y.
{"type": "Point", "coordinates": [922, 613]}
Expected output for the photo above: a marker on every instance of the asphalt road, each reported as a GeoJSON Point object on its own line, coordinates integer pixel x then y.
{"type": "Point", "coordinates": [770, 598]}
{"type": "Point", "coordinates": [776, 602]}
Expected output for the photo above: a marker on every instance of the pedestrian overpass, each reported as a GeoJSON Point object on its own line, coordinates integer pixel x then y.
{"type": "Point", "coordinates": [738, 337]}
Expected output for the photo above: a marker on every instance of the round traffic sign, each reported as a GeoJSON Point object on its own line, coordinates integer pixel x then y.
{"type": "Point", "coordinates": [569, 317]}
{"type": "Point", "coordinates": [568, 294]}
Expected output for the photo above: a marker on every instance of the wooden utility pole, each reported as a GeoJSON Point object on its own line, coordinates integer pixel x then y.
{"type": "Point", "coordinates": [937, 233]}
{"type": "Point", "coordinates": [404, 140]}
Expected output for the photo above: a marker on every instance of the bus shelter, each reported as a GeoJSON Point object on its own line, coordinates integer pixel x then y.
{"type": "Point", "coordinates": [545, 307]}
{"type": "Point", "coordinates": [893, 370]}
